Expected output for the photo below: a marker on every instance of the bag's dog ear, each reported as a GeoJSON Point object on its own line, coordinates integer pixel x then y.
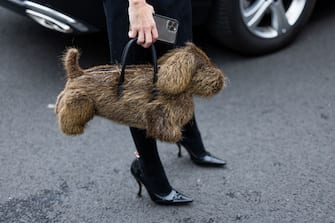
{"type": "Point", "coordinates": [175, 71]}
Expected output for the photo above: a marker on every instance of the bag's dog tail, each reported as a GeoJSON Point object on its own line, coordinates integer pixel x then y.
{"type": "Point", "coordinates": [71, 63]}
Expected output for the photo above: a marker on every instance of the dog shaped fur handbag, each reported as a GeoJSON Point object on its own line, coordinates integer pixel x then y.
{"type": "Point", "coordinates": [182, 73]}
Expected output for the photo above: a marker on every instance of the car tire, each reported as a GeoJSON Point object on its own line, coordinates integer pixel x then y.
{"type": "Point", "coordinates": [236, 24]}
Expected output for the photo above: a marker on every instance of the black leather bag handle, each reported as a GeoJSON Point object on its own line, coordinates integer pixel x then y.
{"type": "Point", "coordinates": [124, 63]}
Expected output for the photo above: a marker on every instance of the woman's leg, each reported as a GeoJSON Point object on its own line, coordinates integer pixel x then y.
{"type": "Point", "coordinates": [116, 12]}
{"type": "Point", "coordinates": [150, 161]}
{"type": "Point", "coordinates": [148, 169]}
{"type": "Point", "coordinates": [182, 11]}
{"type": "Point", "coordinates": [192, 142]}
{"type": "Point", "coordinates": [192, 138]}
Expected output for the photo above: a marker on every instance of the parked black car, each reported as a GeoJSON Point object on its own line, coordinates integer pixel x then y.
{"type": "Point", "coordinates": [246, 26]}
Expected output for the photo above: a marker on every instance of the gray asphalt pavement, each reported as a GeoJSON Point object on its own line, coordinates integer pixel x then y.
{"type": "Point", "coordinates": [274, 124]}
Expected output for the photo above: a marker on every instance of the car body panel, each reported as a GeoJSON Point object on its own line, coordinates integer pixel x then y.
{"type": "Point", "coordinates": [88, 14]}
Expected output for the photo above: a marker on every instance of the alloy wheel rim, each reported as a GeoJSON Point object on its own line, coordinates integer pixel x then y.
{"type": "Point", "coordinates": [271, 18]}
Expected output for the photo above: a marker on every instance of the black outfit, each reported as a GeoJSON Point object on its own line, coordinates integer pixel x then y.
{"type": "Point", "coordinates": [118, 25]}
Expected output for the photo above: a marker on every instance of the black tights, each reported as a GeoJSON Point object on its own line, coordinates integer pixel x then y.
{"type": "Point", "coordinates": [192, 138]}
{"type": "Point", "coordinates": [151, 163]}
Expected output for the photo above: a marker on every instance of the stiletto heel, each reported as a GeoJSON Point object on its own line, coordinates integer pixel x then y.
{"type": "Point", "coordinates": [139, 193]}
{"type": "Point", "coordinates": [179, 149]}
{"type": "Point", "coordinates": [172, 198]}
{"type": "Point", "coordinates": [204, 159]}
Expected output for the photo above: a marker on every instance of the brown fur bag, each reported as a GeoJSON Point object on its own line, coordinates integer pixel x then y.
{"type": "Point", "coordinates": [182, 73]}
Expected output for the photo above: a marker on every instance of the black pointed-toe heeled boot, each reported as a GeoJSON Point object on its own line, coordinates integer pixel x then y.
{"type": "Point", "coordinates": [172, 197]}
{"type": "Point", "coordinates": [193, 144]}
{"type": "Point", "coordinates": [204, 159]}
{"type": "Point", "coordinates": [149, 171]}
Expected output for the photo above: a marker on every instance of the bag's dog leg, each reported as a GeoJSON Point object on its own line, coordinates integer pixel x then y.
{"type": "Point", "coordinates": [74, 111]}
{"type": "Point", "coordinates": [162, 126]}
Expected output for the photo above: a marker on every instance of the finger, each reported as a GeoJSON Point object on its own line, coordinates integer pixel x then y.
{"type": "Point", "coordinates": [148, 39]}
{"type": "Point", "coordinates": [155, 34]}
{"type": "Point", "coordinates": [140, 38]}
{"type": "Point", "coordinates": [132, 34]}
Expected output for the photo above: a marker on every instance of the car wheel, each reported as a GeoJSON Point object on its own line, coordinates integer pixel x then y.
{"type": "Point", "coordinates": [258, 26]}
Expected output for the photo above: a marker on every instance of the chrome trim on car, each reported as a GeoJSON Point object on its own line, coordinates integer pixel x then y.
{"type": "Point", "coordinates": [51, 18]}
{"type": "Point", "coordinates": [48, 11]}
{"type": "Point", "coordinates": [58, 16]}
{"type": "Point", "coordinates": [49, 22]}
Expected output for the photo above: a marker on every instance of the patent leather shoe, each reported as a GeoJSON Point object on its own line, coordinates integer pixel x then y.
{"type": "Point", "coordinates": [205, 159]}
{"type": "Point", "coordinates": [171, 198]}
